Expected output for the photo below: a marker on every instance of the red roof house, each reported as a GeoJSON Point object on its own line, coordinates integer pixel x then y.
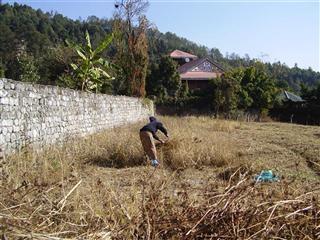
{"type": "Point", "coordinates": [196, 72]}
{"type": "Point", "coordinates": [180, 54]}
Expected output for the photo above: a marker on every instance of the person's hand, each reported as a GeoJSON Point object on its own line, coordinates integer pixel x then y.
{"type": "Point", "coordinates": [167, 135]}
{"type": "Point", "coordinates": [155, 163]}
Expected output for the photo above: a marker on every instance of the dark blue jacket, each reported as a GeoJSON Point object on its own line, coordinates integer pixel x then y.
{"type": "Point", "coordinates": [153, 127]}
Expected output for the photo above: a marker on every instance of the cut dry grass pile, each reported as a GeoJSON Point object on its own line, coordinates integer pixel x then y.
{"type": "Point", "coordinates": [234, 213]}
{"type": "Point", "coordinates": [198, 142]}
{"type": "Point", "coordinates": [93, 189]}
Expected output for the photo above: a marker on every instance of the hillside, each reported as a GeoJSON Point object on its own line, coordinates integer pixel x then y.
{"type": "Point", "coordinates": [41, 33]}
{"type": "Point", "coordinates": [102, 187]}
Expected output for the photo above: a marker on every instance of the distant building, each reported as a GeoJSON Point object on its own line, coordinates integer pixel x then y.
{"type": "Point", "coordinates": [194, 71]}
{"type": "Point", "coordinates": [291, 110]}
{"type": "Point", "coordinates": [286, 96]}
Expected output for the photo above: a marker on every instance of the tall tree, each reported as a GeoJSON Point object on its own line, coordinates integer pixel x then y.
{"type": "Point", "coordinates": [245, 89]}
{"type": "Point", "coordinates": [130, 28]}
{"type": "Point", "coordinates": [23, 66]}
{"type": "Point", "coordinates": [28, 70]}
{"type": "Point", "coordinates": [260, 87]}
{"type": "Point", "coordinates": [170, 76]}
{"type": "Point", "coordinates": [164, 78]}
{"type": "Point", "coordinates": [225, 93]}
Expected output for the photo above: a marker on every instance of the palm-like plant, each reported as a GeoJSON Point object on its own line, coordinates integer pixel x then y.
{"type": "Point", "coordinates": [90, 69]}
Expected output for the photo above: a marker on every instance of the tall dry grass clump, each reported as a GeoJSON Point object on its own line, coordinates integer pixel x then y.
{"type": "Point", "coordinates": [198, 142]}
{"type": "Point", "coordinates": [194, 142]}
{"type": "Point", "coordinates": [102, 187]}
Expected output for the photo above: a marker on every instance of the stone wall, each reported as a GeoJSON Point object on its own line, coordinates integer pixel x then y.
{"type": "Point", "coordinates": [39, 115]}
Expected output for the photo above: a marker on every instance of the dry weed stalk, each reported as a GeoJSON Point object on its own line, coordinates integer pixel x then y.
{"type": "Point", "coordinates": [233, 214]}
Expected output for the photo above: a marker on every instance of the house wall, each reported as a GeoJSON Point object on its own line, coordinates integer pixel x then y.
{"type": "Point", "coordinates": [38, 115]}
{"type": "Point", "coordinates": [197, 84]}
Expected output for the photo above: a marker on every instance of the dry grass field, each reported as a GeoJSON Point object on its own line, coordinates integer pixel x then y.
{"type": "Point", "coordinates": [102, 187]}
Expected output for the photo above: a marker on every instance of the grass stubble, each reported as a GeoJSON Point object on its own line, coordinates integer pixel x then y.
{"type": "Point", "coordinates": [102, 187]}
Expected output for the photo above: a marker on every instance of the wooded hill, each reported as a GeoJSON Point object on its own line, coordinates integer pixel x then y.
{"type": "Point", "coordinates": [42, 36]}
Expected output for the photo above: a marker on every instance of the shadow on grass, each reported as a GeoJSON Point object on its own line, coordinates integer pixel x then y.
{"type": "Point", "coordinates": [110, 162]}
{"type": "Point", "coordinates": [235, 172]}
{"type": "Point", "coordinates": [314, 166]}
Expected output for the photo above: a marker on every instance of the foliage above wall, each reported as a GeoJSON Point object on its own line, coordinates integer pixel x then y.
{"type": "Point", "coordinates": [90, 70]}
{"type": "Point", "coordinates": [43, 35]}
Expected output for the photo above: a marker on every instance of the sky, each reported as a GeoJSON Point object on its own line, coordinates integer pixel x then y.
{"type": "Point", "coordinates": [271, 30]}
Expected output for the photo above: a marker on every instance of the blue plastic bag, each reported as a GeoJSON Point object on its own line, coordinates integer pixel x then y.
{"type": "Point", "coordinates": [266, 176]}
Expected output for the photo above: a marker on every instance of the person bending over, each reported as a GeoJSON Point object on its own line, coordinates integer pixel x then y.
{"type": "Point", "coordinates": [147, 136]}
